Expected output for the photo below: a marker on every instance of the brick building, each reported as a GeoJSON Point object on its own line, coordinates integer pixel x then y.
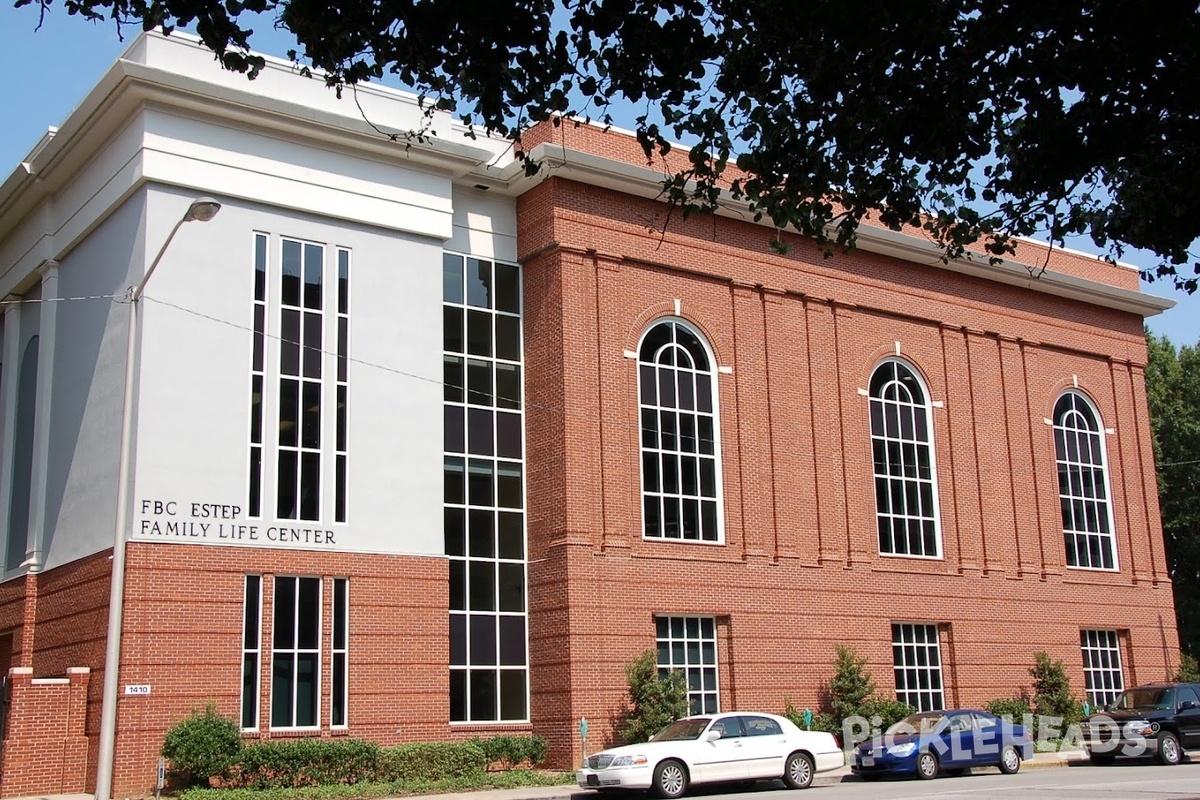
{"type": "Point", "coordinates": [415, 446]}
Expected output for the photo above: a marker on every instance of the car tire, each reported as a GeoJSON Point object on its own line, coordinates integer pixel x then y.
{"type": "Point", "coordinates": [1102, 759]}
{"type": "Point", "coordinates": [1010, 760]}
{"type": "Point", "coordinates": [1168, 749]}
{"type": "Point", "coordinates": [670, 779]}
{"type": "Point", "coordinates": [798, 771]}
{"type": "Point", "coordinates": [927, 765]}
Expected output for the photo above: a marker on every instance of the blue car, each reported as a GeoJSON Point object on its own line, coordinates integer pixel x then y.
{"type": "Point", "coordinates": [943, 742]}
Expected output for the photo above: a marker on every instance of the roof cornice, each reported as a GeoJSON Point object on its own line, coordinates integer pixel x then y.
{"type": "Point", "coordinates": [647, 183]}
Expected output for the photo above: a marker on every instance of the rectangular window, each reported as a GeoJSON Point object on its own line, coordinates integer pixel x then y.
{"type": "Point", "coordinates": [339, 698]}
{"type": "Point", "coordinates": [257, 374]}
{"type": "Point", "coordinates": [917, 660]}
{"type": "Point", "coordinates": [1101, 666]}
{"type": "Point", "coordinates": [251, 651]}
{"type": "Point", "coordinates": [484, 490]}
{"type": "Point", "coordinates": [689, 644]}
{"type": "Point", "coordinates": [296, 653]}
{"type": "Point", "coordinates": [302, 301]}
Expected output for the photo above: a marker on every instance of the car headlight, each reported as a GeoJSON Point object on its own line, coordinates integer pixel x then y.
{"type": "Point", "coordinates": [1139, 727]}
{"type": "Point", "coordinates": [902, 750]}
{"type": "Point", "coordinates": [627, 761]}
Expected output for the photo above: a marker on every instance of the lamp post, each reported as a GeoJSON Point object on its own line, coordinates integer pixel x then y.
{"type": "Point", "coordinates": [202, 209]}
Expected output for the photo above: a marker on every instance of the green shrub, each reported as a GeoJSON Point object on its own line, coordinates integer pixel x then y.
{"type": "Point", "coordinates": [850, 686]}
{"type": "Point", "coordinates": [655, 701]}
{"type": "Point", "coordinates": [431, 761]}
{"type": "Point", "coordinates": [1052, 695]}
{"type": "Point", "coordinates": [821, 721]}
{"type": "Point", "coordinates": [291, 763]}
{"type": "Point", "coordinates": [1189, 669]}
{"type": "Point", "coordinates": [509, 751]}
{"type": "Point", "coordinates": [888, 710]}
{"type": "Point", "coordinates": [201, 746]}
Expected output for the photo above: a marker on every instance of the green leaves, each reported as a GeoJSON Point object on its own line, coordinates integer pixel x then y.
{"type": "Point", "coordinates": [1173, 395]}
{"type": "Point", "coordinates": [1068, 118]}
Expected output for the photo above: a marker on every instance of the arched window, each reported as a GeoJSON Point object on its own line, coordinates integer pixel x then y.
{"type": "Point", "coordinates": [906, 505]}
{"type": "Point", "coordinates": [1083, 484]}
{"type": "Point", "coordinates": [681, 470]}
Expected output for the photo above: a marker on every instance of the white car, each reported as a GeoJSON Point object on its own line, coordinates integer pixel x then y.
{"type": "Point", "coordinates": [714, 748]}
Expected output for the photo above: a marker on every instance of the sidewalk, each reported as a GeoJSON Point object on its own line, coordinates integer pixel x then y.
{"type": "Point", "coordinates": [572, 792]}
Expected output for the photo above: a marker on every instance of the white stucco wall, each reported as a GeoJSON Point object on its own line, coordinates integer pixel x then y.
{"type": "Point", "coordinates": [193, 414]}
{"type": "Point", "coordinates": [111, 186]}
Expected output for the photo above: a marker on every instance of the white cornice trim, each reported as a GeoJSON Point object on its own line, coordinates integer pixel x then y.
{"type": "Point", "coordinates": [644, 182]}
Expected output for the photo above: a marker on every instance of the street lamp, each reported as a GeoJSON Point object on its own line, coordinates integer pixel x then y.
{"type": "Point", "coordinates": [202, 209]}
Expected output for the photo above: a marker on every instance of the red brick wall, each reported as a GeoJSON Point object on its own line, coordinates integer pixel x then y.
{"type": "Point", "coordinates": [45, 746]}
{"type": "Point", "coordinates": [183, 636]}
{"type": "Point", "coordinates": [799, 570]}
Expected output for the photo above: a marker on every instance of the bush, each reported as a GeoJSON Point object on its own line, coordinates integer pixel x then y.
{"type": "Point", "coordinates": [655, 701]}
{"type": "Point", "coordinates": [821, 721]}
{"type": "Point", "coordinates": [1052, 695]}
{"type": "Point", "coordinates": [850, 686]}
{"type": "Point", "coordinates": [509, 751]}
{"type": "Point", "coordinates": [1189, 669]}
{"type": "Point", "coordinates": [201, 746]}
{"type": "Point", "coordinates": [292, 763]}
{"type": "Point", "coordinates": [431, 761]}
{"type": "Point", "coordinates": [1015, 709]}
{"type": "Point", "coordinates": [889, 711]}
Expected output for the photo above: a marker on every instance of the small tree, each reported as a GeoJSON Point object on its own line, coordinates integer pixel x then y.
{"type": "Point", "coordinates": [655, 700]}
{"type": "Point", "coordinates": [1052, 696]}
{"type": "Point", "coordinates": [201, 746]}
{"type": "Point", "coordinates": [1189, 669]}
{"type": "Point", "coordinates": [851, 685]}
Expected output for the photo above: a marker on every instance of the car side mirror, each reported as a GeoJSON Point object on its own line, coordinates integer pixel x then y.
{"type": "Point", "coordinates": [1187, 705]}
{"type": "Point", "coordinates": [712, 736]}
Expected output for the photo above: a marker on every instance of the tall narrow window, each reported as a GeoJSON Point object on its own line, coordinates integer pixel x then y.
{"type": "Point", "coordinates": [917, 662]}
{"type": "Point", "coordinates": [258, 374]}
{"type": "Point", "coordinates": [689, 644]}
{"type": "Point", "coordinates": [301, 357]}
{"type": "Point", "coordinates": [251, 650]}
{"type": "Point", "coordinates": [906, 506]}
{"type": "Point", "coordinates": [1083, 484]}
{"type": "Point", "coordinates": [485, 490]}
{"type": "Point", "coordinates": [1101, 666]}
{"type": "Point", "coordinates": [296, 653]}
{"type": "Point", "coordinates": [343, 370]}
{"type": "Point", "coordinates": [681, 475]}
{"type": "Point", "coordinates": [299, 432]}
{"type": "Point", "coordinates": [339, 688]}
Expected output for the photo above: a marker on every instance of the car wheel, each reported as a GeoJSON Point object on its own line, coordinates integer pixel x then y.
{"type": "Point", "coordinates": [927, 766]}
{"type": "Point", "coordinates": [1168, 749]}
{"type": "Point", "coordinates": [798, 772]}
{"type": "Point", "coordinates": [1102, 759]}
{"type": "Point", "coordinates": [670, 779]}
{"type": "Point", "coordinates": [1010, 760]}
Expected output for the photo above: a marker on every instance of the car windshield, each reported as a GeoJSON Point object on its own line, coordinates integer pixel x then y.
{"type": "Point", "coordinates": [1143, 698]}
{"type": "Point", "coordinates": [682, 730]}
{"type": "Point", "coordinates": [925, 722]}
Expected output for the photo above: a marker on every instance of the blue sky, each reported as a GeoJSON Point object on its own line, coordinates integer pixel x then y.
{"type": "Point", "coordinates": [50, 70]}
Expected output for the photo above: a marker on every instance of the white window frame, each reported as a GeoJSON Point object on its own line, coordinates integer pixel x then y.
{"type": "Point", "coordinates": [679, 455]}
{"type": "Point", "coordinates": [1102, 675]}
{"type": "Point", "coordinates": [478, 602]}
{"type": "Point", "coordinates": [689, 644]}
{"type": "Point", "coordinates": [295, 651]}
{"type": "Point", "coordinates": [1076, 539]}
{"type": "Point", "coordinates": [887, 475]}
{"type": "Point", "coordinates": [340, 654]}
{"type": "Point", "coordinates": [252, 648]}
{"type": "Point", "coordinates": [917, 655]}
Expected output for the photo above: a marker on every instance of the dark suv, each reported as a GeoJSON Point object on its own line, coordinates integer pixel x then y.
{"type": "Point", "coordinates": [1159, 719]}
